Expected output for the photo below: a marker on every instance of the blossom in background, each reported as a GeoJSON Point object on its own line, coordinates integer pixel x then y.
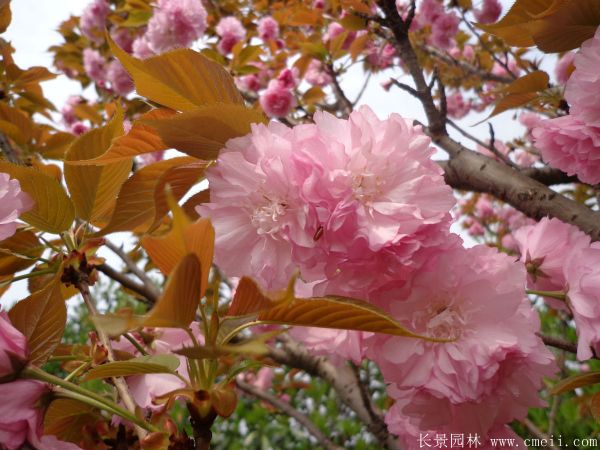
{"type": "Point", "coordinates": [457, 106]}
{"type": "Point", "coordinates": [123, 38]}
{"type": "Point", "coordinates": [489, 12]}
{"type": "Point", "coordinates": [490, 371]}
{"type": "Point", "coordinates": [14, 202]}
{"type": "Point", "coordinates": [94, 65]}
{"type": "Point", "coordinates": [231, 31]}
{"type": "Point", "coordinates": [277, 100]}
{"type": "Point", "coordinates": [268, 28]}
{"type": "Point", "coordinates": [316, 74]}
{"type": "Point", "coordinates": [93, 20]}
{"type": "Point", "coordinates": [141, 48]}
{"type": "Point", "coordinates": [175, 24]}
{"type": "Point", "coordinates": [120, 81]}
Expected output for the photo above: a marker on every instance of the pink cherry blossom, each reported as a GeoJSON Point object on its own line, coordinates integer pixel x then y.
{"type": "Point", "coordinates": [544, 248]}
{"type": "Point", "coordinates": [339, 345]}
{"type": "Point", "coordinates": [457, 106]}
{"type": "Point", "coordinates": [22, 417]}
{"type": "Point", "coordinates": [489, 12]}
{"type": "Point", "coordinates": [490, 374]}
{"type": "Point", "coordinates": [68, 109]}
{"type": "Point", "coordinates": [231, 31]}
{"type": "Point", "coordinates": [78, 128]}
{"type": "Point", "coordinates": [582, 274]}
{"type": "Point", "coordinates": [94, 65]}
{"type": "Point", "coordinates": [570, 145]}
{"type": "Point", "coordinates": [13, 202]}
{"type": "Point", "coordinates": [176, 24]}
{"type": "Point", "coordinates": [338, 199]}
{"type": "Point", "coordinates": [123, 38]}
{"type": "Point", "coordinates": [287, 79]}
{"type": "Point", "coordinates": [93, 20]}
{"type": "Point", "coordinates": [250, 82]}
{"type": "Point", "coordinates": [120, 81]}
{"type": "Point", "coordinates": [316, 74]}
{"type": "Point", "coordinates": [268, 28]}
{"type": "Point", "coordinates": [564, 67]}
{"type": "Point", "coordinates": [141, 48]}
{"type": "Point", "coordinates": [334, 30]}
{"type": "Point", "coordinates": [583, 88]}
{"type": "Point", "coordinates": [444, 29]}
{"type": "Point", "coordinates": [277, 100]}
{"type": "Point", "coordinates": [150, 158]}
{"type": "Point", "coordinates": [13, 348]}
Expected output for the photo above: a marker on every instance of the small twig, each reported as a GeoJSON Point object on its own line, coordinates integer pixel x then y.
{"type": "Point", "coordinates": [288, 409]}
{"type": "Point", "coordinates": [148, 283]}
{"type": "Point", "coordinates": [405, 87]}
{"type": "Point", "coordinates": [362, 89]}
{"type": "Point", "coordinates": [339, 92]}
{"type": "Point", "coordinates": [558, 343]}
{"type": "Point", "coordinates": [149, 294]}
{"type": "Point", "coordinates": [535, 431]}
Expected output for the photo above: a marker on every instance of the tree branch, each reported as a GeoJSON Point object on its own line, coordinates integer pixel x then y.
{"type": "Point", "coordinates": [141, 289]}
{"type": "Point", "coordinates": [344, 382]}
{"type": "Point", "coordinates": [290, 411]}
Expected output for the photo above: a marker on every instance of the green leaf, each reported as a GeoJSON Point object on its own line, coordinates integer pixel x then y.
{"type": "Point", "coordinates": [181, 79]}
{"type": "Point", "coordinates": [137, 366]}
{"type": "Point", "coordinates": [41, 317]}
{"type": "Point", "coordinates": [53, 210]}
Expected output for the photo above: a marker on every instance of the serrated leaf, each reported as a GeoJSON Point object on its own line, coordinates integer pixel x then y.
{"type": "Point", "coordinates": [41, 317]}
{"type": "Point", "coordinates": [142, 201]}
{"type": "Point", "coordinates": [176, 308]}
{"type": "Point", "coordinates": [576, 381]}
{"type": "Point", "coordinates": [335, 312]}
{"type": "Point", "coordinates": [53, 210]}
{"type": "Point", "coordinates": [94, 189]}
{"type": "Point", "coordinates": [181, 79]}
{"type": "Point", "coordinates": [19, 252]}
{"type": "Point", "coordinates": [65, 419]}
{"type": "Point", "coordinates": [140, 140]}
{"type": "Point", "coordinates": [203, 132]}
{"type": "Point", "coordinates": [136, 366]}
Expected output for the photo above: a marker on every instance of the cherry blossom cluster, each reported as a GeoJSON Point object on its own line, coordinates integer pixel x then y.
{"type": "Point", "coordinates": [571, 143]}
{"type": "Point", "coordinates": [358, 208]}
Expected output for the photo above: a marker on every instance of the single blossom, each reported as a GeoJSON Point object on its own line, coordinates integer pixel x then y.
{"type": "Point", "coordinates": [545, 247]}
{"type": "Point", "coordinates": [94, 65]}
{"type": "Point", "coordinates": [457, 106]}
{"type": "Point", "coordinates": [489, 12]}
{"type": "Point", "coordinates": [570, 145]}
{"type": "Point", "coordinates": [583, 87]}
{"type": "Point", "coordinates": [277, 100]}
{"type": "Point", "coordinates": [443, 30]}
{"type": "Point", "coordinates": [175, 24]}
{"type": "Point", "coordinates": [582, 274]}
{"type": "Point", "coordinates": [13, 203]}
{"type": "Point", "coordinates": [490, 371]}
{"type": "Point", "coordinates": [120, 81]}
{"type": "Point", "coordinates": [93, 20]}
{"type": "Point", "coordinates": [316, 74]}
{"type": "Point", "coordinates": [13, 348]}
{"type": "Point", "coordinates": [231, 31]}
{"type": "Point", "coordinates": [268, 28]}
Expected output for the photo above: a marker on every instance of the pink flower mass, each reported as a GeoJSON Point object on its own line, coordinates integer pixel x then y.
{"type": "Point", "coordinates": [175, 24]}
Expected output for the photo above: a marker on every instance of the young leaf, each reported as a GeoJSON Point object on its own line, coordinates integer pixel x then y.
{"type": "Point", "coordinates": [136, 366]}
{"type": "Point", "coordinates": [142, 202]}
{"type": "Point", "coordinates": [41, 317]}
{"type": "Point", "coordinates": [576, 381]}
{"type": "Point", "coordinates": [176, 308]}
{"type": "Point", "coordinates": [53, 210]}
{"type": "Point", "coordinates": [94, 189]}
{"type": "Point", "coordinates": [203, 132]}
{"type": "Point", "coordinates": [65, 419]}
{"type": "Point", "coordinates": [19, 252]}
{"type": "Point", "coordinates": [181, 79]}
{"type": "Point", "coordinates": [141, 139]}
{"type": "Point", "coordinates": [522, 91]}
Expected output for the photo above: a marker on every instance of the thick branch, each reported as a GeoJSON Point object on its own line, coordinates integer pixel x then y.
{"type": "Point", "coordinates": [475, 172]}
{"type": "Point", "coordinates": [126, 282]}
{"type": "Point", "coordinates": [288, 409]}
{"type": "Point", "coordinates": [343, 380]}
